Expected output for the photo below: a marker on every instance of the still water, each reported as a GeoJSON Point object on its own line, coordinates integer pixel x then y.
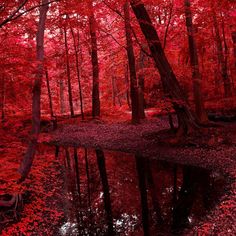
{"type": "Point", "coordinates": [114, 193]}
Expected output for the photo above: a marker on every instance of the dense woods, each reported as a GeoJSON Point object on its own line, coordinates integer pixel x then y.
{"type": "Point", "coordinates": [151, 78]}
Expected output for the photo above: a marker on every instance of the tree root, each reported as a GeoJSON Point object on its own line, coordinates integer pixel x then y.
{"type": "Point", "coordinates": [10, 206]}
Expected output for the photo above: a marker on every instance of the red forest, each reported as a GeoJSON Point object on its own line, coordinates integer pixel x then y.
{"type": "Point", "coordinates": [117, 117]}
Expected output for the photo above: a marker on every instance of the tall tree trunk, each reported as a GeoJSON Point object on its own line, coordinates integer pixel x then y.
{"type": "Point", "coordinates": [76, 49]}
{"type": "Point", "coordinates": [141, 85]}
{"type": "Point", "coordinates": [220, 54]}
{"type": "Point", "coordinates": [68, 74]}
{"type": "Point", "coordinates": [132, 67]}
{"type": "Point", "coordinates": [196, 76]}
{"type": "Point", "coordinates": [49, 94]}
{"type": "Point", "coordinates": [94, 57]}
{"type": "Point", "coordinates": [61, 95]}
{"type": "Point", "coordinates": [170, 84]}
{"type": "Point", "coordinates": [36, 113]}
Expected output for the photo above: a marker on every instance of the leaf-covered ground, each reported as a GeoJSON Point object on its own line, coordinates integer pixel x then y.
{"type": "Point", "coordinates": [42, 195]}
{"type": "Point", "coordinates": [44, 211]}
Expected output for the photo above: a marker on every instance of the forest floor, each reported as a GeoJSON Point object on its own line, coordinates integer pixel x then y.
{"type": "Point", "coordinates": [214, 149]}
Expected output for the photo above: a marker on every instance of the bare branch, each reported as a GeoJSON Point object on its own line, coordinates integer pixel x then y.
{"type": "Point", "coordinates": [9, 18]}
{"type": "Point", "coordinates": [15, 16]}
{"type": "Point", "coordinates": [114, 10]}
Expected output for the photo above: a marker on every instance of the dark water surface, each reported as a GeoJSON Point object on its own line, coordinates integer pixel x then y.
{"type": "Point", "coordinates": [114, 193]}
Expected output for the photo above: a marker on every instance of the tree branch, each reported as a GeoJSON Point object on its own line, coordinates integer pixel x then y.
{"type": "Point", "coordinates": [14, 16]}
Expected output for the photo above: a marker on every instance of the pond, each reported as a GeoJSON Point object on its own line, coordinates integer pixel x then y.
{"type": "Point", "coordinates": [115, 193]}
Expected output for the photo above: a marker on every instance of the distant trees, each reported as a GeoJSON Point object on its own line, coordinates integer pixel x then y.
{"type": "Point", "coordinates": [222, 59]}
{"type": "Point", "coordinates": [196, 76]}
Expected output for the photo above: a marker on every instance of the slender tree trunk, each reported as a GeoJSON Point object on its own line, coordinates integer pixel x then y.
{"type": "Point", "coordinates": [168, 25]}
{"type": "Point", "coordinates": [115, 92]}
{"type": "Point", "coordinates": [62, 97]}
{"type": "Point", "coordinates": [132, 67]}
{"type": "Point", "coordinates": [76, 49]}
{"type": "Point", "coordinates": [226, 52]}
{"type": "Point", "coordinates": [141, 86]}
{"type": "Point", "coordinates": [221, 58]}
{"type": "Point", "coordinates": [94, 58]}
{"type": "Point", "coordinates": [127, 83]}
{"type": "Point", "coordinates": [196, 76]}
{"type": "Point", "coordinates": [30, 153]}
{"type": "Point", "coordinates": [68, 74]}
{"type": "Point", "coordinates": [49, 94]}
{"type": "Point", "coordinates": [170, 84]}
{"type": "Point", "coordinates": [105, 186]}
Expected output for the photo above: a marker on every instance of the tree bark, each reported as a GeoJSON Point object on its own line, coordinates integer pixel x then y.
{"type": "Point", "coordinates": [94, 58]}
{"type": "Point", "coordinates": [76, 49]}
{"type": "Point", "coordinates": [196, 76]}
{"type": "Point", "coordinates": [170, 84]}
{"type": "Point", "coordinates": [68, 74]}
{"type": "Point", "coordinates": [36, 113]}
{"type": "Point", "coordinates": [132, 68]}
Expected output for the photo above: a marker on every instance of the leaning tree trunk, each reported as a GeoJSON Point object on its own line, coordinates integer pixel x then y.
{"type": "Point", "coordinates": [94, 57]}
{"type": "Point", "coordinates": [30, 153]}
{"type": "Point", "coordinates": [170, 84]}
{"type": "Point", "coordinates": [132, 68]}
{"type": "Point", "coordinates": [196, 76]}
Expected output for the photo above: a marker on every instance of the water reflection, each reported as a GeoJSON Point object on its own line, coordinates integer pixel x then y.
{"type": "Point", "coordinates": [111, 193]}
